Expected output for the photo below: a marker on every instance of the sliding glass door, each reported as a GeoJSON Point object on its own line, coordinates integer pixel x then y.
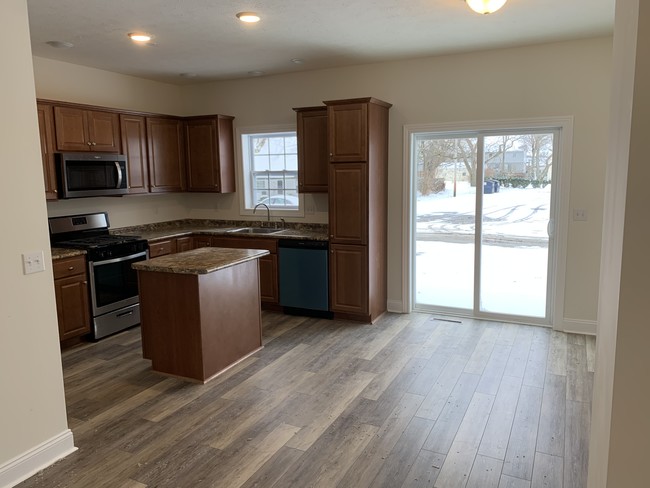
{"type": "Point", "coordinates": [482, 229]}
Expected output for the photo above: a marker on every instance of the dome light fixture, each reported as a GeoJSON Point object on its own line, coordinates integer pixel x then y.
{"type": "Point", "coordinates": [139, 37]}
{"type": "Point", "coordinates": [485, 6]}
{"type": "Point", "coordinates": [248, 17]}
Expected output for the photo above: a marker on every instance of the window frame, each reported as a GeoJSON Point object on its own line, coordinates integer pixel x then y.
{"type": "Point", "coordinates": [243, 173]}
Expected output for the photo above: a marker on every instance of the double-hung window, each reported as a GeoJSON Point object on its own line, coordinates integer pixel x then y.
{"type": "Point", "coordinates": [270, 170]}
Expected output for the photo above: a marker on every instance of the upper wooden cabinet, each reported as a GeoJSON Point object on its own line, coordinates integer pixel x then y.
{"type": "Point", "coordinates": [165, 140]}
{"type": "Point", "coordinates": [210, 154]}
{"type": "Point", "coordinates": [313, 154]}
{"type": "Point", "coordinates": [46, 131]}
{"type": "Point", "coordinates": [134, 144]}
{"type": "Point", "coordinates": [86, 130]}
{"type": "Point", "coordinates": [348, 132]}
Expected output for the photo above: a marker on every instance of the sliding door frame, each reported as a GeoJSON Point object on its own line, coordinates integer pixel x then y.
{"type": "Point", "coordinates": [561, 185]}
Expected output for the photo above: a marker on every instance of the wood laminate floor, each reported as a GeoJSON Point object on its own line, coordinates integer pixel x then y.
{"type": "Point", "coordinates": [411, 401]}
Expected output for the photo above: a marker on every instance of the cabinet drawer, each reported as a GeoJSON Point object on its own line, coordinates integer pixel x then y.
{"type": "Point", "coordinates": [62, 268]}
{"type": "Point", "coordinates": [162, 248]}
{"type": "Point", "coordinates": [270, 245]}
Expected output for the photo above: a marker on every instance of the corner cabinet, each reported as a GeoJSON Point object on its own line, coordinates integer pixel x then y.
{"type": "Point", "coordinates": [358, 167]}
{"type": "Point", "coordinates": [71, 292]}
{"type": "Point", "coordinates": [46, 132]}
{"type": "Point", "coordinates": [165, 142]}
{"type": "Point", "coordinates": [86, 130]}
{"type": "Point", "coordinates": [210, 154]}
{"type": "Point", "coordinates": [313, 153]}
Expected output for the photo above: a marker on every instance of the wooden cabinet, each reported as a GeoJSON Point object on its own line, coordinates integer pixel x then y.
{"type": "Point", "coordinates": [201, 241]}
{"type": "Point", "coordinates": [210, 154]}
{"type": "Point", "coordinates": [134, 143]}
{"type": "Point", "coordinates": [348, 130]}
{"type": "Point", "coordinates": [184, 244]}
{"type": "Point", "coordinates": [71, 292]}
{"type": "Point", "coordinates": [348, 203]}
{"type": "Point", "coordinates": [165, 142]}
{"type": "Point", "coordinates": [358, 147]}
{"type": "Point", "coordinates": [162, 247]}
{"type": "Point", "coordinates": [313, 154]}
{"type": "Point", "coordinates": [46, 132]}
{"type": "Point", "coordinates": [86, 130]}
{"type": "Point", "coordinates": [268, 264]}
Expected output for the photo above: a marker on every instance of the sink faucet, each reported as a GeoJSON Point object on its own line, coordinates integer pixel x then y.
{"type": "Point", "coordinates": [268, 211]}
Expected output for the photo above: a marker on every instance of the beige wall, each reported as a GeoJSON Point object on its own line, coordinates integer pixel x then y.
{"type": "Point", "coordinates": [620, 439]}
{"type": "Point", "coordinates": [32, 409]}
{"type": "Point", "coordinates": [570, 78]}
{"type": "Point", "coordinates": [535, 81]}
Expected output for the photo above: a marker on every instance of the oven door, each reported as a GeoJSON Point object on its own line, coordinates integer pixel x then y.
{"type": "Point", "coordinates": [113, 284]}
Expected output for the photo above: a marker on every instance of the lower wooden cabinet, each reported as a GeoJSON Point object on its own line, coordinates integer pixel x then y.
{"type": "Point", "coordinates": [268, 264]}
{"type": "Point", "coordinates": [349, 279]}
{"type": "Point", "coordinates": [184, 244]}
{"type": "Point", "coordinates": [71, 292]}
{"type": "Point", "coordinates": [162, 248]}
{"type": "Point", "coordinates": [201, 241]}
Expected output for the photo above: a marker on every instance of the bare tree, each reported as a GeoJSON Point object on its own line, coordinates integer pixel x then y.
{"type": "Point", "coordinates": [540, 148]}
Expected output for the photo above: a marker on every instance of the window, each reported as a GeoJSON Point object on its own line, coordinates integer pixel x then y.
{"type": "Point", "coordinates": [270, 170]}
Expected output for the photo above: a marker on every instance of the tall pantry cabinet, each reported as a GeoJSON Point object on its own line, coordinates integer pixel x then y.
{"type": "Point", "coordinates": [358, 156]}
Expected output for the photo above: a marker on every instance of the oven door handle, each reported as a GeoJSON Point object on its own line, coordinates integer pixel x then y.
{"type": "Point", "coordinates": [118, 260]}
{"type": "Point", "coordinates": [119, 175]}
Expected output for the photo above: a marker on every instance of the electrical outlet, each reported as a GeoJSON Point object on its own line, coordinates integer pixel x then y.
{"type": "Point", "coordinates": [579, 214]}
{"type": "Point", "coordinates": [33, 262]}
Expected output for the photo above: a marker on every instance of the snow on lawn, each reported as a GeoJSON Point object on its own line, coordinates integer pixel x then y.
{"type": "Point", "coordinates": [510, 212]}
{"type": "Point", "coordinates": [513, 274]}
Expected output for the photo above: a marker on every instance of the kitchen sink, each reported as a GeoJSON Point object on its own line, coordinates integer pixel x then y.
{"type": "Point", "coordinates": [254, 230]}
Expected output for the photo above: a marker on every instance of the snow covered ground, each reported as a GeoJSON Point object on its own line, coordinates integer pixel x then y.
{"type": "Point", "coordinates": [515, 250]}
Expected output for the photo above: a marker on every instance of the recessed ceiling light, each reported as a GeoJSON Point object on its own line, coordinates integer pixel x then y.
{"type": "Point", "coordinates": [139, 37]}
{"type": "Point", "coordinates": [297, 61]}
{"type": "Point", "coordinates": [250, 17]}
{"type": "Point", "coordinates": [256, 73]}
{"type": "Point", "coordinates": [60, 44]}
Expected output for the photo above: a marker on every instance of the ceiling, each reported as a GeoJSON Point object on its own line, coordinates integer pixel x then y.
{"type": "Point", "coordinates": [201, 40]}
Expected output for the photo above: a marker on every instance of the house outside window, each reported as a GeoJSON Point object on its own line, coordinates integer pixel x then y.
{"type": "Point", "coordinates": [270, 170]}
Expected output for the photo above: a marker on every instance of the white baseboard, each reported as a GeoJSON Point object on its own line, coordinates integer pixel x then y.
{"type": "Point", "coordinates": [395, 306]}
{"type": "Point", "coordinates": [40, 457]}
{"type": "Point", "coordinates": [577, 326]}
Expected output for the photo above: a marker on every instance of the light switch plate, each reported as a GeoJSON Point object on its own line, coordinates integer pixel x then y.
{"type": "Point", "coordinates": [579, 214]}
{"type": "Point", "coordinates": [33, 262]}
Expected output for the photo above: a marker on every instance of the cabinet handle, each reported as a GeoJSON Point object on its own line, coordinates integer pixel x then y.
{"type": "Point", "coordinates": [89, 143]}
{"type": "Point", "coordinates": [85, 282]}
{"type": "Point", "coordinates": [331, 236]}
{"type": "Point", "coordinates": [70, 268]}
{"type": "Point", "coordinates": [55, 191]}
{"type": "Point", "coordinates": [332, 251]}
{"type": "Point", "coordinates": [94, 143]}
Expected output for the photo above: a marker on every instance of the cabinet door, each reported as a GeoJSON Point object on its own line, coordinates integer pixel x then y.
{"type": "Point", "coordinates": [201, 241]}
{"type": "Point", "coordinates": [134, 143]}
{"type": "Point", "coordinates": [72, 306]}
{"type": "Point", "coordinates": [348, 132]}
{"type": "Point", "coordinates": [71, 133]}
{"type": "Point", "coordinates": [162, 248]}
{"type": "Point", "coordinates": [348, 203]}
{"type": "Point", "coordinates": [226, 154]}
{"type": "Point", "coordinates": [103, 131]}
{"type": "Point", "coordinates": [202, 155]}
{"type": "Point", "coordinates": [349, 279]}
{"type": "Point", "coordinates": [313, 155]}
{"type": "Point", "coordinates": [184, 244]}
{"type": "Point", "coordinates": [166, 161]}
{"type": "Point", "coordinates": [269, 278]}
{"type": "Point", "coordinates": [46, 132]}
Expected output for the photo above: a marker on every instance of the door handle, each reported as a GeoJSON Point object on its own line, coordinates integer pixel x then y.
{"type": "Point", "coordinates": [119, 174]}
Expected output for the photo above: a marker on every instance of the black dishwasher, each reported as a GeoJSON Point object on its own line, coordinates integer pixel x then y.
{"type": "Point", "coordinates": [304, 277]}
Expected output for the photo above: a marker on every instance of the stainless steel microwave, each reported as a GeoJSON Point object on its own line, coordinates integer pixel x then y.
{"type": "Point", "coordinates": [91, 175]}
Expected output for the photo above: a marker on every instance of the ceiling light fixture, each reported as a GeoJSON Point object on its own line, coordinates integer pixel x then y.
{"type": "Point", "coordinates": [249, 17]}
{"type": "Point", "coordinates": [297, 61]}
{"type": "Point", "coordinates": [485, 6]}
{"type": "Point", "coordinates": [256, 73]}
{"type": "Point", "coordinates": [139, 37]}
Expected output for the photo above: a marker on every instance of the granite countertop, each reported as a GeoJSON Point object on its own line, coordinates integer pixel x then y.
{"type": "Point", "coordinates": [61, 253]}
{"type": "Point", "coordinates": [199, 261]}
{"type": "Point", "coordinates": [181, 228]}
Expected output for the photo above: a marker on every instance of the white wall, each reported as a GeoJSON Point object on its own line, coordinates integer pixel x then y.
{"type": "Point", "coordinates": [620, 430]}
{"type": "Point", "coordinates": [32, 409]}
{"type": "Point", "coordinates": [569, 78]}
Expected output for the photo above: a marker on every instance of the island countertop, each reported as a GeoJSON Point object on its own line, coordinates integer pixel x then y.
{"type": "Point", "coordinates": [199, 261]}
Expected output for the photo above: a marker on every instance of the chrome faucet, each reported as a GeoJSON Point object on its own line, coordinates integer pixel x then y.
{"type": "Point", "coordinates": [268, 211]}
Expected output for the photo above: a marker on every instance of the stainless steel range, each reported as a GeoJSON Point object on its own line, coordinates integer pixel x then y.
{"type": "Point", "coordinates": [113, 284]}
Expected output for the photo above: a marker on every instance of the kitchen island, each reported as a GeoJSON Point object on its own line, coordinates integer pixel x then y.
{"type": "Point", "coordinates": [200, 310]}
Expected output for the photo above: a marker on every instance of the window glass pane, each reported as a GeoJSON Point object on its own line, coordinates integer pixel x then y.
{"type": "Point", "coordinates": [277, 162]}
{"type": "Point", "coordinates": [292, 162]}
{"type": "Point", "coordinates": [260, 163]}
{"type": "Point", "coordinates": [260, 145]}
{"type": "Point", "coordinates": [277, 145]}
{"type": "Point", "coordinates": [291, 145]}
